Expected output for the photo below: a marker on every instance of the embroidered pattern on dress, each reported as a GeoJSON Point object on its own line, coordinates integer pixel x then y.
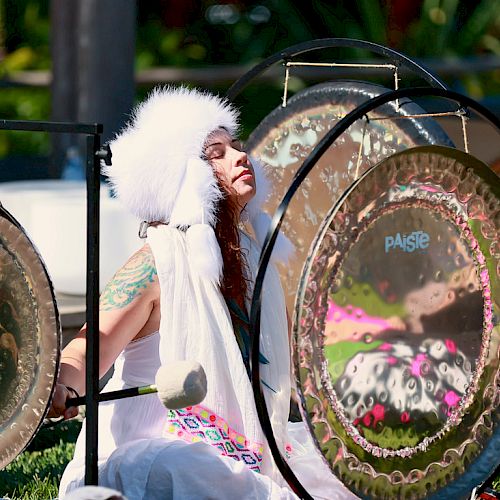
{"type": "Point", "coordinates": [197, 423]}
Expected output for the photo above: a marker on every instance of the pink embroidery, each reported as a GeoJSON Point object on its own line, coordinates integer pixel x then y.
{"type": "Point", "coordinates": [197, 423]}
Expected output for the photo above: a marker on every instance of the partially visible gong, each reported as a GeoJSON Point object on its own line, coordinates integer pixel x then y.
{"type": "Point", "coordinates": [29, 339]}
{"type": "Point", "coordinates": [288, 135]}
{"type": "Point", "coordinates": [396, 328]}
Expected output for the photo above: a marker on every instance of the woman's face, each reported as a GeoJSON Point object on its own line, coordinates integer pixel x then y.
{"type": "Point", "coordinates": [232, 166]}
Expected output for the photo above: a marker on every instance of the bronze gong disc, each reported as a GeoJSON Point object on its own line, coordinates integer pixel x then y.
{"type": "Point", "coordinates": [29, 339]}
{"type": "Point", "coordinates": [396, 328]}
{"type": "Point", "coordinates": [285, 138]}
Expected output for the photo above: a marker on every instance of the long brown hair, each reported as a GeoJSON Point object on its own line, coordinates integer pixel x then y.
{"type": "Point", "coordinates": [234, 282]}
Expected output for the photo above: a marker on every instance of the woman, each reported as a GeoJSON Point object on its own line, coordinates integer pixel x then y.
{"type": "Point", "coordinates": [184, 295]}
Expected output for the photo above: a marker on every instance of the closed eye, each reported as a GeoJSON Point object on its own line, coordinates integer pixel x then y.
{"type": "Point", "coordinates": [215, 153]}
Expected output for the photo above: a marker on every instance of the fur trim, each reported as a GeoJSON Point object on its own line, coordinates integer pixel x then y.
{"type": "Point", "coordinates": [159, 174]}
{"type": "Point", "coordinates": [198, 191]}
{"type": "Point", "coordinates": [157, 168]}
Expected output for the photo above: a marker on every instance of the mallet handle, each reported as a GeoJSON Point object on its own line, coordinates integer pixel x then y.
{"type": "Point", "coordinates": [110, 396]}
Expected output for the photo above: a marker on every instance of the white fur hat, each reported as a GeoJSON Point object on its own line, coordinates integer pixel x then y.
{"type": "Point", "coordinates": [157, 168]}
{"type": "Point", "coordinates": [159, 173]}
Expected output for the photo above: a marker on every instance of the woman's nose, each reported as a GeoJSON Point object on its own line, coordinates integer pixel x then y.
{"type": "Point", "coordinates": [240, 157]}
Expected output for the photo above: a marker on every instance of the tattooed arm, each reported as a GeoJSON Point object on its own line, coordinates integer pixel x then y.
{"type": "Point", "coordinates": [128, 309]}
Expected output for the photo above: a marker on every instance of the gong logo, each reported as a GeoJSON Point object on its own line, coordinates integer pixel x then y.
{"type": "Point", "coordinates": [407, 242]}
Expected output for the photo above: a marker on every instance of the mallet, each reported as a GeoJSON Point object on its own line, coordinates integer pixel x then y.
{"type": "Point", "coordinates": [180, 384]}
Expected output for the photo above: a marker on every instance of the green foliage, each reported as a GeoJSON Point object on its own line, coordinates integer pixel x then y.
{"type": "Point", "coordinates": [36, 489]}
{"type": "Point", "coordinates": [35, 473]}
{"type": "Point", "coordinates": [48, 437]}
{"type": "Point", "coordinates": [26, 35]}
{"type": "Point", "coordinates": [24, 104]}
{"type": "Point", "coordinates": [253, 30]}
{"type": "Point", "coordinates": [455, 28]}
{"type": "Point", "coordinates": [496, 483]}
{"type": "Point", "coordinates": [419, 29]}
{"type": "Point", "coordinates": [22, 476]}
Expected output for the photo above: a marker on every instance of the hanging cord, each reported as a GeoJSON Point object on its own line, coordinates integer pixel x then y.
{"type": "Point", "coordinates": [360, 151]}
{"type": "Point", "coordinates": [396, 85]}
{"type": "Point", "coordinates": [461, 113]}
{"type": "Point", "coordinates": [289, 64]}
{"type": "Point", "coordinates": [465, 119]}
{"type": "Point", "coordinates": [420, 115]}
{"type": "Point", "coordinates": [342, 65]}
{"type": "Point", "coordinates": [285, 90]}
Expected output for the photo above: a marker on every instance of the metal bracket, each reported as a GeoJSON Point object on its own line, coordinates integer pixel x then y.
{"type": "Point", "coordinates": [105, 154]}
{"type": "Point", "coordinates": [143, 229]}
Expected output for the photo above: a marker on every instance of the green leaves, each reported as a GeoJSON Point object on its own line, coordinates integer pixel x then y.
{"type": "Point", "coordinates": [35, 473]}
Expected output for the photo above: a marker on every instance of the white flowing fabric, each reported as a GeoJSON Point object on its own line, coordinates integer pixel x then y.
{"type": "Point", "coordinates": [140, 457]}
{"type": "Point", "coordinates": [196, 325]}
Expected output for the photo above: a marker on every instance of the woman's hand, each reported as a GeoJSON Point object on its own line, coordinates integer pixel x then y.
{"type": "Point", "coordinates": [58, 406]}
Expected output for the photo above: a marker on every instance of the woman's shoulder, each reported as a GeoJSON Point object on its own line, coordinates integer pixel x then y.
{"type": "Point", "coordinates": [137, 278]}
{"type": "Point", "coordinates": [140, 267]}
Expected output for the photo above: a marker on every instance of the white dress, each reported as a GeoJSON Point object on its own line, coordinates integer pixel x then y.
{"type": "Point", "coordinates": [213, 450]}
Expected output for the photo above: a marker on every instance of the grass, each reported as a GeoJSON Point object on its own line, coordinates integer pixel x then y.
{"type": "Point", "coordinates": [35, 473]}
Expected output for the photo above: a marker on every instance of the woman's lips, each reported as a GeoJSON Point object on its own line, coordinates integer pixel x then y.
{"type": "Point", "coordinates": [245, 175]}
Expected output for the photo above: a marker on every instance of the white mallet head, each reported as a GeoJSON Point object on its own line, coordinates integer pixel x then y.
{"type": "Point", "coordinates": [181, 384]}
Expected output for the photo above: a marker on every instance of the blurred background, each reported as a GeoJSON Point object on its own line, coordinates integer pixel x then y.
{"type": "Point", "coordinates": [90, 60]}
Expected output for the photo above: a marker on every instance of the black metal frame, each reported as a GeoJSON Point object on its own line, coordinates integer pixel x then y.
{"type": "Point", "coordinates": [94, 155]}
{"type": "Point", "coordinates": [277, 220]}
{"type": "Point", "coordinates": [286, 55]}
{"type": "Point", "coordinates": [289, 53]}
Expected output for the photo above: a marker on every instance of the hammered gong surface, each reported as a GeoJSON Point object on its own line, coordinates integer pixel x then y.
{"type": "Point", "coordinates": [396, 326]}
{"type": "Point", "coordinates": [285, 138]}
{"type": "Point", "coordinates": [29, 339]}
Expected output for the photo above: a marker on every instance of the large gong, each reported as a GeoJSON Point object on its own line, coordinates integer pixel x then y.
{"type": "Point", "coordinates": [396, 327]}
{"type": "Point", "coordinates": [285, 138]}
{"type": "Point", "coordinates": [29, 339]}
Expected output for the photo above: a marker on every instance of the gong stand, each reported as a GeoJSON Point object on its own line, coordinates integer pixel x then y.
{"type": "Point", "coordinates": [286, 56]}
{"type": "Point", "coordinates": [361, 112]}
{"type": "Point", "coordinates": [280, 213]}
{"type": "Point", "coordinates": [94, 155]}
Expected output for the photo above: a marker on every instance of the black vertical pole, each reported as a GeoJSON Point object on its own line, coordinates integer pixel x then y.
{"type": "Point", "coordinates": [106, 53]}
{"type": "Point", "coordinates": [92, 356]}
{"type": "Point", "coordinates": [64, 85]}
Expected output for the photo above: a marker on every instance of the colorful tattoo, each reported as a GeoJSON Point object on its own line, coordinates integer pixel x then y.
{"type": "Point", "coordinates": [129, 281]}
